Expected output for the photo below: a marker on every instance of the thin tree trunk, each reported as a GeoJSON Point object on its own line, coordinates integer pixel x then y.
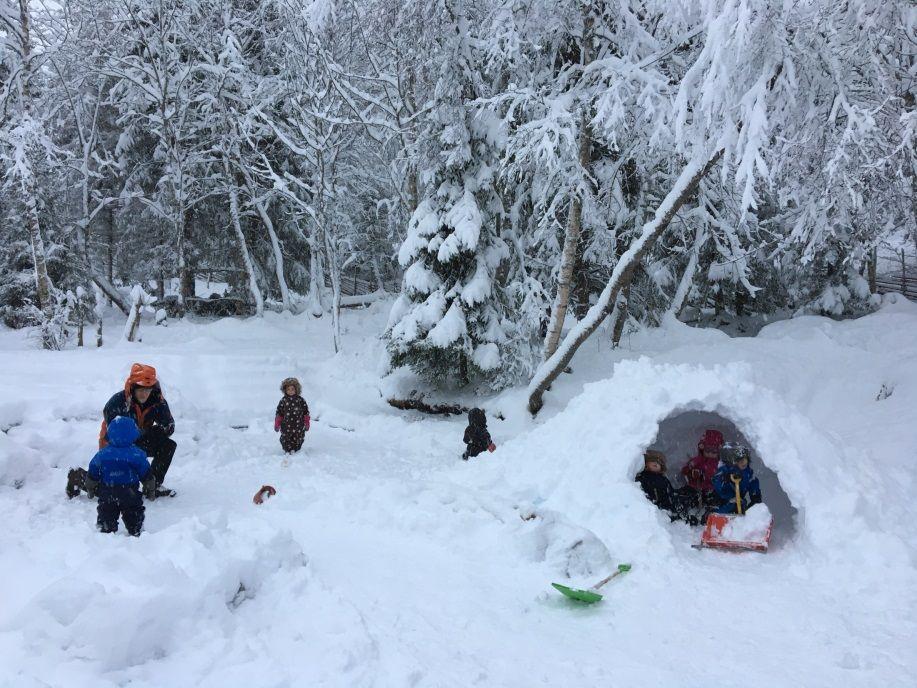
{"type": "Point", "coordinates": [275, 242]}
{"type": "Point", "coordinates": [621, 276]}
{"type": "Point", "coordinates": [871, 269]}
{"type": "Point", "coordinates": [278, 255]}
{"type": "Point", "coordinates": [570, 253]}
{"type": "Point", "coordinates": [316, 280]}
{"type": "Point", "coordinates": [334, 270]}
{"type": "Point", "coordinates": [684, 286]}
{"type": "Point", "coordinates": [377, 273]}
{"type": "Point", "coordinates": [103, 283]}
{"type": "Point", "coordinates": [620, 316]}
{"type": "Point", "coordinates": [186, 288]}
{"type": "Point", "coordinates": [234, 215]}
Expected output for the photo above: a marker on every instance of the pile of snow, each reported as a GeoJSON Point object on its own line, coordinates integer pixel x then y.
{"type": "Point", "coordinates": [751, 527]}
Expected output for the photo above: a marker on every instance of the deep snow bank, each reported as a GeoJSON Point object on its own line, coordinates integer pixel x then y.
{"type": "Point", "coordinates": [804, 395]}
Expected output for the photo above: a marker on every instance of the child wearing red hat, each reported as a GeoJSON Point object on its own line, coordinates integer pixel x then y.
{"type": "Point", "coordinates": [700, 469]}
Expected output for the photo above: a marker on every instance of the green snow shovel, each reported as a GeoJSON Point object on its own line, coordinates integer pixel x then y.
{"type": "Point", "coordinates": [591, 595]}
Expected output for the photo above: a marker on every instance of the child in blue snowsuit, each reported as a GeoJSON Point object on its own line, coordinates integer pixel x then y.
{"type": "Point", "coordinates": [118, 469]}
{"type": "Point", "coordinates": [734, 467]}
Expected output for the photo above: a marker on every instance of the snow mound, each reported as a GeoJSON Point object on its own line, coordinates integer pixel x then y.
{"type": "Point", "coordinates": [582, 462]}
{"type": "Point", "coordinates": [752, 527]}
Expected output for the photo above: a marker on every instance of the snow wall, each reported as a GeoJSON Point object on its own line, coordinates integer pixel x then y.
{"type": "Point", "coordinates": [582, 462]}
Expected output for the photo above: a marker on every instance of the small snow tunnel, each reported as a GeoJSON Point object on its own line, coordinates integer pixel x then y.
{"type": "Point", "coordinates": [678, 437]}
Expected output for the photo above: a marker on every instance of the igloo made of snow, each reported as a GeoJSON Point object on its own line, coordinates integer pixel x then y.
{"type": "Point", "coordinates": [583, 461]}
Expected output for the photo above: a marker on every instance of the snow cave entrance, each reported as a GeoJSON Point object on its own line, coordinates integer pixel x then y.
{"type": "Point", "coordinates": [677, 438]}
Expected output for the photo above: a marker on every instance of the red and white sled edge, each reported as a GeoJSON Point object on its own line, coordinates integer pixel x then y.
{"type": "Point", "coordinates": [712, 535]}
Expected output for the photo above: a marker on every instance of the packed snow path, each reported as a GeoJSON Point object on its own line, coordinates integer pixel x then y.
{"type": "Point", "coordinates": [386, 561]}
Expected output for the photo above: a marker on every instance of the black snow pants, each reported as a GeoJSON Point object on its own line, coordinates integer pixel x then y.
{"type": "Point", "coordinates": [160, 449]}
{"type": "Point", "coordinates": [120, 500]}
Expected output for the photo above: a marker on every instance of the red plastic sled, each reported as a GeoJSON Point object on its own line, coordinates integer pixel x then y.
{"type": "Point", "coordinates": [265, 492]}
{"type": "Point", "coordinates": [713, 535]}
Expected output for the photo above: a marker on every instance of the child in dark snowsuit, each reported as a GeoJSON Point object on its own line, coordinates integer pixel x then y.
{"type": "Point", "coordinates": [292, 419]}
{"type": "Point", "coordinates": [476, 438]}
{"type": "Point", "coordinates": [114, 474]}
{"type": "Point", "coordinates": [657, 488]}
{"type": "Point", "coordinates": [735, 475]}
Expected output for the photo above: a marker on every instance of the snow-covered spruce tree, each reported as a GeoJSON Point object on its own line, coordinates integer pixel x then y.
{"type": "Point", "coordinates": [451, 323]}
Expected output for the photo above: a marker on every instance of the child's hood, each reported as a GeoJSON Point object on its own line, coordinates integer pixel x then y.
{"type": "Point", "coordinates": [477, 418]}
{"type": "Point", "coordinates": [122, 432]}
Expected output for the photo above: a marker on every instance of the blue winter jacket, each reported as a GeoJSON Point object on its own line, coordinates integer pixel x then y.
{"type": "Point", "coordinates": [749, 489]}
{"type": "Point", "coordinates": [120, 463]}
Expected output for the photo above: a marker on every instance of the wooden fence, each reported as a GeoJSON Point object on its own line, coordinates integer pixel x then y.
{"type": "Point", "coordinates": [899, 274]}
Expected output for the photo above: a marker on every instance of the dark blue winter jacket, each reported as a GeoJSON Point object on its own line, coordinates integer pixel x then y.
{"type": "Point", "coordinates": [154, 413]}
{"type": "Point", "coordinates": [749, 489]}
{"type": "Point", "coordinates": [120, 463]}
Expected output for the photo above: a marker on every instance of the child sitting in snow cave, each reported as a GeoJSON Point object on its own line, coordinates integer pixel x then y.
{"type": "Point", "coordinates": [659, 490]}
{"type": "Point", "coordinates": [698, 473]}
{"type": "Point", "coordinates": [292, 419]}
{"type": "Point", "coordinates": [734, 481]}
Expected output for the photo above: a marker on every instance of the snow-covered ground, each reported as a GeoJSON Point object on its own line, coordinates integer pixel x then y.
{"type": "Point", "coordinates": [384, 560]}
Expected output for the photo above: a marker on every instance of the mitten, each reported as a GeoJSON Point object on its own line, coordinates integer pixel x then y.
{"type": "Point", "coordinates": [306, 423]}
{"type": "Point", "coordinates": [149, 486]}
{"type": "Point", "coordinates": [277, 421]}
{"type": "Point", "coordinates": [491, 447]}
{"type": "Point", "coordinates": [91, 486]}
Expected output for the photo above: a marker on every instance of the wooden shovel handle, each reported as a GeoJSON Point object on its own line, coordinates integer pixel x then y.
{"type": "Point", "coordinates": [622, 568]}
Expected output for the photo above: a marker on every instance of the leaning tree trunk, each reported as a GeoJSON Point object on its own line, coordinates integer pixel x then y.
{"type": "Point", "coordinates": [687, 278]}
{"type": "Point", "coordinates": [278, 255]}
{"type": "Point", "coordinates": [570, 253]}
{"type": "Point", "coordinates": [234, 215]}
{"type": "Point", "coordinates": [619, 317]}
{"type": "Point", "coordinates": [621, 276]}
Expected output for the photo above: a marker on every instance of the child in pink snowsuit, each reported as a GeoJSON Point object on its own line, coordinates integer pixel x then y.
{"type": "Point", "coordinates": [698, 472]}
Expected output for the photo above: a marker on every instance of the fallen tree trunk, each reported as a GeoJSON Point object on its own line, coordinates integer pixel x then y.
{"type": "Point", "coordinates": [415, 404]}
{"type": "Point", "coordinates": [621, 276]}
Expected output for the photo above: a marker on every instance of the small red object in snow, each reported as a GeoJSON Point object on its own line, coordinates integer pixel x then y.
{"type": "Point", "coordinates": [265, 491]}
{"type": "Point", "coordinates": [491, 447]}
{"type": "Point", "coordinates": [715, 537]}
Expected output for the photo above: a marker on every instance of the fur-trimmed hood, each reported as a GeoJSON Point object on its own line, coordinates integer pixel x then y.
{"type": "Point", "coordinates": [291, 381]}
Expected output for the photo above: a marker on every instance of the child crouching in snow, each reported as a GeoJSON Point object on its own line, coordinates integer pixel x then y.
{"type": "Point", "coordinates": [476, 438]}
{"type": "Point", "coordinates": [658, 489]}
{"type": "Point", "coordinates": [114, 475]}
{"type": "Point", "coordinates": [292, 419]}
{"type": "Point", "coordinates": [734, 481]}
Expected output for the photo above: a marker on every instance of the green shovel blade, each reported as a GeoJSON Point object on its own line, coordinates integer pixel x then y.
{"type": "Point", "coordinates": [588, 596]}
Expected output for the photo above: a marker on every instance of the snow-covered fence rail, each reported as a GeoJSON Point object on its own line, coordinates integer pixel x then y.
{"type": "Point", "coordinates": [897, 273]}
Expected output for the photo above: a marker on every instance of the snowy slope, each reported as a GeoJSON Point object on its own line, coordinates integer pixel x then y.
{"type": "Point", "coordinates": [385, 561]}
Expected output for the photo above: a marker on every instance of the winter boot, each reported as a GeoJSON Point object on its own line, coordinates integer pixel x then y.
{"type": "Point", "coordinates": [74, 481]}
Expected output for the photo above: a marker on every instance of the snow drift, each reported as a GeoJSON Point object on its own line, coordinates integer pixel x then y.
{"type": "Point", "coordinates": [583, 461]}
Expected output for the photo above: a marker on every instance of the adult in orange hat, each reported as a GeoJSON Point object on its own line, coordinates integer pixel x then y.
{"type": "Point", "coordinates": [142, 400]}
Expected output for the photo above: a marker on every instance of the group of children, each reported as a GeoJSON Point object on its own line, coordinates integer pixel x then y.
{"type": "Point", "coordinates": [120, 467]}
{"type": "Point", "coordinates": [718, 479]}
{"type": "Point", "coordinates": [117, 471]}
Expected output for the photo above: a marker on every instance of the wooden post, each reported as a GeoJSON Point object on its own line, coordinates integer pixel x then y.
{"type": "Point", "coordinates": [871, 269]}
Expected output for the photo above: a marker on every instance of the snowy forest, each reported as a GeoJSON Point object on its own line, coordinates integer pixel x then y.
{"type": "Point", "coordinates": [505, 167]}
